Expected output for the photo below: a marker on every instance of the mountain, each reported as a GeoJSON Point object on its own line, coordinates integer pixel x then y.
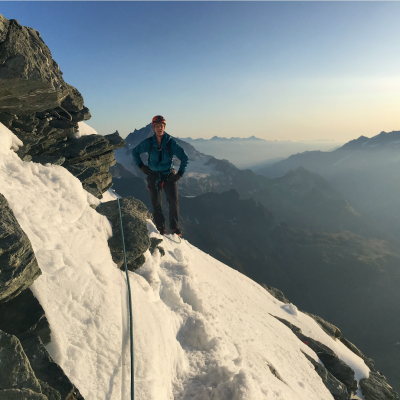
{"type": "Point", "coordinates": [201, 329]}
{"type": "Point", "coordinates": [247, 152]}
{"type": "Point", "coordinates": [364, 170]}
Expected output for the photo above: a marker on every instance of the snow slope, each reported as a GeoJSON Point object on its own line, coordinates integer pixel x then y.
{"type": "Point", "coordinates": [201, 330]}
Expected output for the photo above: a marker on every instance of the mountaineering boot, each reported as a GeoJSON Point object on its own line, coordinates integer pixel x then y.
{"type": "Point", "coordinates": [162, 231]}
{"type": "Point", "coordinates": [176, 231]}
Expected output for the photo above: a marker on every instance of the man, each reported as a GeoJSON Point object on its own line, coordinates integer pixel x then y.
{"type": "Point", "coordinates": [161, 174]}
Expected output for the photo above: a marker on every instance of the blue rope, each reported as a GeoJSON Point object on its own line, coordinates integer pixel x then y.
{"type": "Point", "coordinates": [130, 308]}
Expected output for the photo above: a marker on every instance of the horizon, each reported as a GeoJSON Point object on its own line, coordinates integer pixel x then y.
{"type": "Point", "coordinates": [280, 71]}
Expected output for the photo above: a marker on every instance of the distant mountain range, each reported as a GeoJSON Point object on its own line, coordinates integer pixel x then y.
{"type": "Point", "coordinates": [364, 170]}
{"type": "Point", "coordinates": [217, 138]}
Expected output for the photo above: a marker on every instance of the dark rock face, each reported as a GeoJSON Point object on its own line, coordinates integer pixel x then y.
{"type": "Point", "coordinates": [276, 293]}
{"type": "Point", "coordinates": [332, 363]}
{"type": "Point", "coordinates": [375, 387]}
{"type": "Point", "coordinates": [30, 79]}
{"type": "Point", "coordinates": [21, 394]}
{"type": "Point", "coordinates": [329, 328]}
{"type": "Point", "coordinates": [134, 214]}
{"type": "Point", "coordinates": [57, 383]}
{"type": "Point", "coordinates": [370, 363]}
{"type": "Point", "coordinates": [15, 370]}
{"type": "Point", "coordinates": [18, 265]}
{"type": "Point", "coordinates": [38, 106]}
{"type": "Point", "coordinates": [337, 388]}
{"type": "Point", "coordinates": [24, 316]}
{"type": "Point", "coordinates": [154, 244]}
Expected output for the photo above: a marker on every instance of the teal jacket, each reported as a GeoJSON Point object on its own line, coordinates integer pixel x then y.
{"type": "Point", "coordinates": [160, 161]}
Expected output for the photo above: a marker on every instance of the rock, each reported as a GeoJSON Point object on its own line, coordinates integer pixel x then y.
{"type": "Point", "coordinates": [338, 368]}
{"type": "Point", "coordinates": [30, 80]}
{"type": "Point", "coordinates": [48, 371]}
{"type": "Point", "coordinates": [48, 159]}
{"type": "Point", "coordinates": [330, 329]}
{"type": "Point", "coordinates": [368, 361]}
{"type": "Point", "coordinates": [23, 316]}
{"type": "Point", "coordinates": [276, 293]}
{"type": "Point", "coordinates": [18, 264]}
{"type": "Point", "coordinates": [337, 388]}
{"type": "Point", "coordinates": [134, 214]}
{"type": "Point", "coordinates": [15, 369]}
{"type": "Point", "coordinates": [154, 244]}
{"type": "Point", "coordinates": [375, 387]}
{"type": "Point", "coordinates": [21, 394]}
{"type": "Point", "coordinates": [49, 392]}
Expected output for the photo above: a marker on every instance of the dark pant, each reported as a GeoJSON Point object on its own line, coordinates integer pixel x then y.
{"type": "Point", "coordinates": [171, 190]}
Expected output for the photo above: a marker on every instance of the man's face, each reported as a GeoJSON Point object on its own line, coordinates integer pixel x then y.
{"type": "Point", "coordinates": [159, 129]}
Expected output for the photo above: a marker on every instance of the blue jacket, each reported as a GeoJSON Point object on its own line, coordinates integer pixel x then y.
{"type": "Point", "coordinates": [160, 163]}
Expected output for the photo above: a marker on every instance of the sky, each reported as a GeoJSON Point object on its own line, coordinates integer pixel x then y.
{"type": "Point", "coordinates": [276, 70]}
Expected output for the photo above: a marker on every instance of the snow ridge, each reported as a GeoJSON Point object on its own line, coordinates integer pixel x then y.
{"type": "Point", "coordinates": [201, 329]}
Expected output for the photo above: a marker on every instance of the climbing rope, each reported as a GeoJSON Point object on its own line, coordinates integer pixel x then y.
{"type": "Point", "coordinates": [130, 307]}
{"type": "Point", "coordinates": [172, 240]}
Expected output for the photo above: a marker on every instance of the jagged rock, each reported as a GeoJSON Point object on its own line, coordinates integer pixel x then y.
{"type": "Point", "coordinates": [368, 361]}
{"type": "Point", "coordinates": [375, 387]}
{"type": "Point", "coordinates": [21, 394]}
{"type": "Point", "coordinates": [338, 368]}
{"type": "Point", "coordinates": [24, 316]}
{"type": "Point", "coordinates": [47, 370]}
{"type": "Point", "coordinates": [276, 293]}
{"type": "Point", "coordinates": [18, 264]}
{"type": "Point", "coordinates": [48, 159]}
{"type": "Point", "coordinates": [86, 147]}
{"type": "Point", "coordinates": [337, 388]}
{"type": "Point", "coordinates": [15, 369]}
{"type": "Point", "coordinates": [89, 159]}
{"type": "Point", "coordinates": [154, 244]}
{"type": "Point", "coordinates": [30, 80]}
{"type": "Point", "coordinates": [134, 214]}
{"type": "Point", "coordinates": [329, 328]}
{"type": "Point", "coordinates": [49, 392]}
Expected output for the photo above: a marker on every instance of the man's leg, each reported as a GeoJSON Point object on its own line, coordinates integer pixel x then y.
{"type": "Point", "coordinates": [171, 190]}
{"type": "Point", "coordinates": [156, 201]}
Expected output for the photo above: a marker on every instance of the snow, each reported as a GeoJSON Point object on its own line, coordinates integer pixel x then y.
{"type": "Point", "coordinates": [83, 130]}
{"type": "Point", "coordinates": [201, 329]}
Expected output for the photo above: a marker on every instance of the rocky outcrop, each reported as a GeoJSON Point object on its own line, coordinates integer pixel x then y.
{"type": "Point", "coordinates": [375, 387]}
{"type": "Point", "coordinates": [276, 293]}
{"type": "Point", "coordinates": [55, 383]}
{"type": "Point", "coordinates": [134, 214]}
{"type": "Point", "coordinates": [337, 388]}
{"type": "Point", "coordinates": [23, 316]}
{"type": "Point", "coordinates": [332, 363]}
{"type": "Point", "coordinates": [18, 264]}
{"type": "Point", "coordinates": [38, 106]}
{"type": "Point", "coordinates": [154, 244]}
{"type": "Point", "coordinates": [15, 370]}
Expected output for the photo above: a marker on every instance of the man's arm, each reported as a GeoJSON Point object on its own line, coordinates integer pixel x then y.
{"type": "Point", "coordinates": [142, 147]}
{"type": "Point", "coordinates": [180, 153]}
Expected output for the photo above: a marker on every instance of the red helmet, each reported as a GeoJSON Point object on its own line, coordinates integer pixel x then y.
{"type": "Point", "coordinates": [157, 119]}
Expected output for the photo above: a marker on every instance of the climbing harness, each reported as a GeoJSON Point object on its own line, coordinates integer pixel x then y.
{"type": "Point", "coordinates": [130, 306]}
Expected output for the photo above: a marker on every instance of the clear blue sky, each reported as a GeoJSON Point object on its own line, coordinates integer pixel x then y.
{"type": "Point", "coordinates": [277, 70]}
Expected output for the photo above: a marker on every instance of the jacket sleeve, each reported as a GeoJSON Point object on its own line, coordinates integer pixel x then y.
{"type": "Point", "coordinates": [180, 153]}
{"type": "Point", "coordinates": [142, 147]}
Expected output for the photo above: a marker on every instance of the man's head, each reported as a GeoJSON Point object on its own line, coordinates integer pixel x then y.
{"type": "Point", "coordinates": [159, 123]}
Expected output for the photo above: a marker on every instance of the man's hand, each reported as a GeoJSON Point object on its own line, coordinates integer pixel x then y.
{"type": "Point", "coordinates": [146, 170]}
{"type": "Point", "coordinates": [174, 177]}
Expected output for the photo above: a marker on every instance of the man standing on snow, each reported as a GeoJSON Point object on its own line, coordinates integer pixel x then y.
{"type": "Point", "coordinates": [160, 172]}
